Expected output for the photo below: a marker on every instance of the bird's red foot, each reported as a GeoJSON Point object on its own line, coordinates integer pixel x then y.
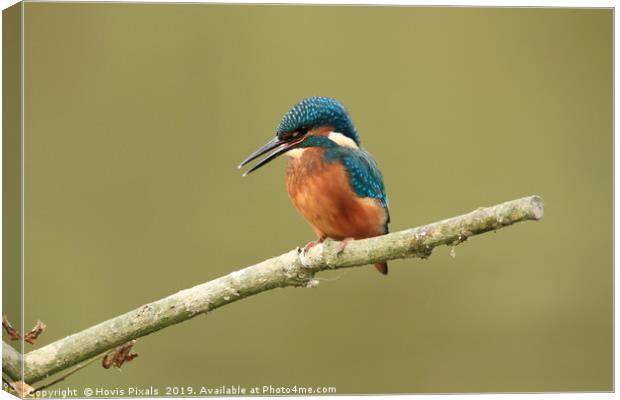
{"type": "Point", "coordinates": [343, 245]}
{"type": "Point", "coordinates": [312, 244]}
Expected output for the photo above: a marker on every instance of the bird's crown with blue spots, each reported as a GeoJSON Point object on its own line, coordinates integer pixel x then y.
{"type": "Point", "coordinates": [314, 112]}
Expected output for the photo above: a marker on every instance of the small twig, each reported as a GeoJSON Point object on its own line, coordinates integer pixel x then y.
{"type": "Point", "coordinates": [62, 378]}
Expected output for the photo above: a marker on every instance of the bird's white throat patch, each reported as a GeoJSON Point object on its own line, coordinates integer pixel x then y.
{"type": "Point", "coordinates": [295, 153]}
{"type": "Point", "coordinates": [342, 140]}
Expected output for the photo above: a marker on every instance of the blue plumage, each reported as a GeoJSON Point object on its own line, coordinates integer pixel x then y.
{"type": "Point", "coordinates": [365, 177]}
{"type": "Point", "coordinates": [317, 111]}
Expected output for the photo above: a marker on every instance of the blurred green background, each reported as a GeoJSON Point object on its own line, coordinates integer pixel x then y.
{"type": "Point", "coordinates": [136, 117]}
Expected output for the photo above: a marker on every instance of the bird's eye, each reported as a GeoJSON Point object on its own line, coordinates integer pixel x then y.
{"type": "Point", "coordinates": [301, 131]}
{"type": "Point", "coordinates": [295, 134]}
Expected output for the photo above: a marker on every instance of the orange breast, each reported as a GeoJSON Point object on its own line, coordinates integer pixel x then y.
{"type": "Point", "coordinates": [322, 194]}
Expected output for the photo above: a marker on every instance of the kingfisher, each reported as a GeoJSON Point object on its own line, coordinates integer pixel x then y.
{"type": "Point", "coordinates": [331, 179]}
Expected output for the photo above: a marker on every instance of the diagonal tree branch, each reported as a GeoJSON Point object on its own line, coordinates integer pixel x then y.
{"type": "Point", "coordinates": [294, 268]}
{"type": "Point", "coordinates": [11, 362]}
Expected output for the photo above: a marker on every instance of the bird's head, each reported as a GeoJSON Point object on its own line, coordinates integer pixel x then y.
{"type": "Point", "coordinates": [313, 116]}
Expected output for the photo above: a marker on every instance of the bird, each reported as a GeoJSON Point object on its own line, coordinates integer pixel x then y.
{"type": "Point", "coordinates": [332, 181]}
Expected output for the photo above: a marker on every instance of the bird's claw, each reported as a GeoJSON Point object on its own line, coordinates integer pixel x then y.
{"type": "Point", "coordinates": [343, 245]}
{"type": "Point", "coordinates": [312, 244]}
{"type": "Point", "coordinates": [302, 251]}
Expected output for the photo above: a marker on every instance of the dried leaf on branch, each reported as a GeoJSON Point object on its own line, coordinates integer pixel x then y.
{"type": "Point", "coordinates": [121, 355]}
{"type": "Point", "coordinates": [32, 336]}
{"type": "Point", "coordinates": [13, 334]}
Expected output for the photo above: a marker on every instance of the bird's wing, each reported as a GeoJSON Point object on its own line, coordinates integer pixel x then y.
{"type": "Point", "coordinates": [365, 177]}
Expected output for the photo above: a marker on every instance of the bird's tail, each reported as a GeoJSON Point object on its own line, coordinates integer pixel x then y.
{"type": "Point", "coordinates": [382, 267]}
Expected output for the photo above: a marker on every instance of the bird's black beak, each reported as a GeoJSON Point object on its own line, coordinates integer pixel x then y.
{"type": "Point", "coordinates": [280, 145]}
